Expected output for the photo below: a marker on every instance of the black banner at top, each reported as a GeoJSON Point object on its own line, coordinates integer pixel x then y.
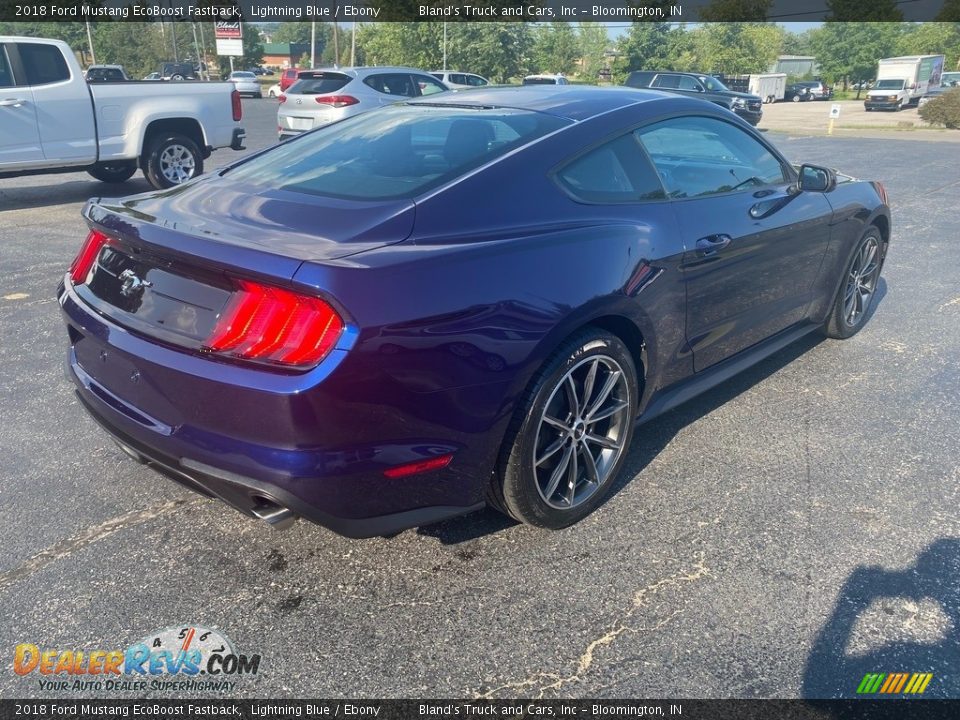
{"type": "Point", "coordinates": [482, 10]}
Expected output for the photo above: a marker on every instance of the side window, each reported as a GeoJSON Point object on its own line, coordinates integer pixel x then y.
{"type": "Point", "coordinates": [458, 79]}
{"type": "Point", "coordinates": [428, 86]}
{"type": "Point", "coordinates": [685, 82]}
{"type": "Point", "coordinates": [476, 80]}
{"type": "Point", "coordinates": [615, 172]}
{"type": "Point", "coordinates": [6, 74]}
{"type": "Point", "coordinates": [392, 84]}
{"type": "Point", "coordinates": [43, 64]}
{"type": "Point", "coordinates": [666, 81]}
{"type": "Point", "coordinates": [697, 156]}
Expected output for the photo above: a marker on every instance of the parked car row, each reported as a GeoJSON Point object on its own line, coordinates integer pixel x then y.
{"type": "Point", "coordinates": [705, 87]}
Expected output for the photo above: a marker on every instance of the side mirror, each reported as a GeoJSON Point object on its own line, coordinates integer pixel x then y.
{"type": "Point", "coordinates": [814, 178]}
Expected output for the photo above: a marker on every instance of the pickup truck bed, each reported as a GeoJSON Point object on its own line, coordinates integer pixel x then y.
{"type": "Point", "coordinates": [54, 121]}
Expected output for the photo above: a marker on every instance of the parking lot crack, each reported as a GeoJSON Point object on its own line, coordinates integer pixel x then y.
{"type": "Point", "coordinates": [89, 536]}
{"type": "Point", "coordinates": [641, 598]}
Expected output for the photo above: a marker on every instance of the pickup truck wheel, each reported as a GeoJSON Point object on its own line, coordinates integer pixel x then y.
{"type": "Point", "coordinates": [117, 172]}
{"type": "Point", "coordinates": [172, 160]}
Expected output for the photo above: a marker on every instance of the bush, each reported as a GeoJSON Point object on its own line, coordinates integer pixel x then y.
{"type": "Point", "coordinates": [944, 110]}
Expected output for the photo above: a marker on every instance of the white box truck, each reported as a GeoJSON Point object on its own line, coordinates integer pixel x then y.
{"type": "Point", "coordinates": [902, 81]}
{"type": "Point", "coordinates": [769, 86]}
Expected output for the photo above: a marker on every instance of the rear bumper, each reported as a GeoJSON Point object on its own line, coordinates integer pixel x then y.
{"type": "Point", "coordinates": [260, 443]}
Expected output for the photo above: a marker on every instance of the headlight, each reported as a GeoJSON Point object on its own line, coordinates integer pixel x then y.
{"type": "Point", "coordinates": [739, 103]}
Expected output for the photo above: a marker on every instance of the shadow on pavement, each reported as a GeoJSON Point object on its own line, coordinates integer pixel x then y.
{"type": "Point", "coordinates": [832, 673]}
{"type": "Point", "coordinates": [64, 193]}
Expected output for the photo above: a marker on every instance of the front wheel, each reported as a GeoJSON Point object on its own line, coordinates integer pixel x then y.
{"type": "Point", "coordinates": [795, 98]}
{"type": "Point", "coordinates": [172, 160]}
{"type": "Point", "coordinates": [570, 435]}
{"type": "Point", "coordinates": [117, 172]}
{"type": "Point", "coordinates": [858, 288]}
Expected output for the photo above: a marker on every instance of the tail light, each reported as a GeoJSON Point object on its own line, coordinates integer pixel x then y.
{"type": "Point", "coordinates": [87, 256]}
{"type": "Point", "coordinates": [237, 106]}
{"type": "Point", "coordinates": [273, 325]}
{"type": "Point", "coordinates": [282, 99]}
{"type": "Point", "coordinates": [337, 101]}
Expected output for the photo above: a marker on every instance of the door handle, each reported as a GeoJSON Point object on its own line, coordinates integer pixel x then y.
{"type": "Point", "coordinates": [12, 102]}
{"type": "Point", "coordinates": [711, 244]}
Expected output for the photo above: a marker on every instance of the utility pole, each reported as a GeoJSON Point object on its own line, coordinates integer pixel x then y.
{"type": "Point", "coordinates": [93, 57]}
{"type": "Point", "coordinates": [313, 45]}
{"type": "Point", "coordinates": [203, 47]}
{"type": "Point", "coordinates": [196, 47]}
{"type": "Point", "coordinates": [444, 47]}
{"type": "Point", "coordinates": [353, 46]}
{"type": "Point", "coordinates": [336, 47]}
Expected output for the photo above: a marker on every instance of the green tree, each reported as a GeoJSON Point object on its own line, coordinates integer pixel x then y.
{"type": "Point", "coordinates": [864, 11]}
{"type": "Point", "coordinates": [139, 47]}
{"type": "Point", "coordinates": [736, 11]}
{"type": "Point", "coordinates": [950, 12]}
{"type": "Point", "coordinates": [299, 32]}
{"type": "Point", "coordinates": [932, 38]}
{"type": "Point", "coordinates": [737, 48]}
{"type": "Point", "coordinates": [849, 51]}
{"type": "Point", "coordinates": [555, 48]}
{"type": "Point", "coordinates": [649, 46]}
{"type": "Point", "coordinates": [497, 50]}
{"type": "Point", "coordinates": [594, 44]}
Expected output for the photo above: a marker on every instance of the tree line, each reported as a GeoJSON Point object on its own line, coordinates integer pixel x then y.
{"type": "Point", "coordinates": [845, 51]}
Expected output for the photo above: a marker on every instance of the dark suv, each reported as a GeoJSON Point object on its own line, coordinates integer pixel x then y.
{"type": "Point", "coordinates": [702, 86]}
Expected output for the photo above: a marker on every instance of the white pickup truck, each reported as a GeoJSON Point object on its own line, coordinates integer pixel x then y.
{"type": "Point", "coordinates": [52, 120]}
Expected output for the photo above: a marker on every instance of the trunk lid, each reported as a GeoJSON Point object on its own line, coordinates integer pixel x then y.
{"type": "Point", "coordinates": [170, 265]}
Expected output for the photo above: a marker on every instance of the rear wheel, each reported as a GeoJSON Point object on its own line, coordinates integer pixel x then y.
{"type": "Point", "coordinates": [570, 436]}
{"type": "Point", "coordinates": [172, 160]}
{"type": "Point", "coordinates": [795, 98]}
{"type": "Point", "coordinates": [858, 288]}
{"type": "Point", "coordinates": [117, 172]}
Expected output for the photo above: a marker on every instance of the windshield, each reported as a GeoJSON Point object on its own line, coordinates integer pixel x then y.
{"type": "Point", "coordinates": [711, 83]}
{"type": "Point", "coordinates": [889, 85]}
{"type": "Point", "coordinates": [950, 78]}
{"type": "Point", "coordinates": [396, 152]}
{"type": "Point", "coordinates": [243, 76]}
{"type": "Point", "coordinates": [539, 81]}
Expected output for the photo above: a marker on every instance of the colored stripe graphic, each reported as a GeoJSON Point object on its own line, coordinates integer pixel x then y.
{"type": "Point", "coordinates": [894, 683]}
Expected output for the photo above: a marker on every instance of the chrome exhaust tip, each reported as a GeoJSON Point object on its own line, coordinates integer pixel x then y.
{"type": "Point", "coordinates": [276, 516]}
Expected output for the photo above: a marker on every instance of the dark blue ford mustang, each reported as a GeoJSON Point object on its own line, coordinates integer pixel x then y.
{"type": "Point", "coordinates": [464, 300]}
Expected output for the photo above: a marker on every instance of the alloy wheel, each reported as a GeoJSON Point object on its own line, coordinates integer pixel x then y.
{"type": "Point", "coordinates": [581, 432]}
{"type": "Point", "coordinates": [861, 282]}
{"type": "Point", "coordinates": [177, 164]}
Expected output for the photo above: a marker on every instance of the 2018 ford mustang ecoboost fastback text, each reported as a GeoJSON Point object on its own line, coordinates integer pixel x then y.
{"type": "Point", "coordinates": [456, 301]}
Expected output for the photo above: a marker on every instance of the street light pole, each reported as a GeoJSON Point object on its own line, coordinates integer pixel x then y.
{"type": "Point", "coordinates": [444, 47]}
{"type": "Point", "coordinates": [313, 44]}
{"type": "Point", "coordinates": [353, 46]}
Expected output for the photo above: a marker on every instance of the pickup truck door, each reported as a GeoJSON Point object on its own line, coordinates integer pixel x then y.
{"type": "Point", "coordinates": [64, 107]}
{"type": "Point", "coordinates": [20, 139]}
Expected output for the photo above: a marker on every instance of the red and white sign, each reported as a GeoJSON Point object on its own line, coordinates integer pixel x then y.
{"type": "Point", "coordinates": [229, 37]}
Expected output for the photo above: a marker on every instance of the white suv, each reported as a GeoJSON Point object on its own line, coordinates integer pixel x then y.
{"type": "Point", "coordinates": [459, 80]}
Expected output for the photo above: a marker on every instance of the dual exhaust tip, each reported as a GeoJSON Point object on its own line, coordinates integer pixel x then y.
{"type": "Point", "coordinates": [274, 515]}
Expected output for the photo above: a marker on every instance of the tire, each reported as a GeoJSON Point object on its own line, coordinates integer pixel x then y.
{"type": "Point", "coordinates": [113, 172]}
{"type": "Point", "coordinates": [539, 493]}
{"type": "Point", "coordinates": [259, 96]}
{"type": "Point", "coordinates": [272, 94]}
{"type": "Point", "coordinates": [852, 306]}
{"type": "Point", "coordinates": [795, 98]}
{"type": "Point", "coordinates": [172, 160]}
{"type": "Point", "coordinates": [177, 78]}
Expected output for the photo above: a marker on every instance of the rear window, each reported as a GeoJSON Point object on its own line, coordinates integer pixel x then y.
{"type": "Point", "coordinates": [397, 152]}
{"type": "Point", "coordinates": [539, 81]}
{"type": "Point", "coordinates": [44, 64]}
{"type": "Point", "coordinates": [318, 83]}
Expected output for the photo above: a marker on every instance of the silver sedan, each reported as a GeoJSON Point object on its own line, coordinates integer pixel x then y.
{"type": "Point", "coordinates": [246, 83]}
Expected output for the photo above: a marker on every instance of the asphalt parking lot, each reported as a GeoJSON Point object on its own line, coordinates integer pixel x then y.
{"type": "Point", "coordinates": [778, 537]}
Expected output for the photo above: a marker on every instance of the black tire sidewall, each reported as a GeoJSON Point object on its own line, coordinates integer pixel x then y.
{"type": "Point", "coordinates": [519, 496]}
{"type": "Point", "coordinates": [152, 165]}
